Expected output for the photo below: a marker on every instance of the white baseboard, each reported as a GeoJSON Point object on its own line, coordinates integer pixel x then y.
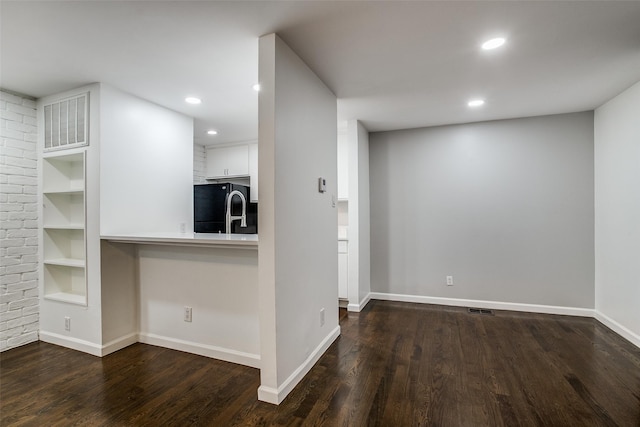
{"type": "Point", "coordinates": [87, 346]}
{"type": "Point", "coordinates": [494, 305]}
{"type": "Point", "coordinates": [226, 354]}
{"type": "Point", "coordinates": [358, 307]}
{"type": "Point", "coordinates": [119, 343]}
{"type": "Point", "coordinates": [616, 327]}
{"type": "Point", "coordinates": [276, 396]}
{"type": "Point", "coordinates": [71, 342]}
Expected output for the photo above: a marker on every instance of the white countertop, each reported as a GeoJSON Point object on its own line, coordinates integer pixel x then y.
{"type": "Point", "coordinates": [248, 241]}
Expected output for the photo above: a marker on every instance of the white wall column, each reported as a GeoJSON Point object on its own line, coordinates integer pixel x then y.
{"type": "Point", "coordinates": [359, 249]}
{"type": "Point", "coordinates": [617, 213]}
{"type": "Point", "coordinates": [297, 260]}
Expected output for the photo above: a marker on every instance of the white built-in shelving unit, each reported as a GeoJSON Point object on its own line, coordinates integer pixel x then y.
{"type": "Point", "coordinates": [63, 227]}
{"type": "Point", "coordinates": [69, 245]}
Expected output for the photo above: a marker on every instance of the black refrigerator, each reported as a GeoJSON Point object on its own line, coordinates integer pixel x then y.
{"type": "Point", "coordinates": [210, 208]}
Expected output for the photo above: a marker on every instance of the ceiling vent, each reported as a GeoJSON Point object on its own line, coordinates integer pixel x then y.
{"type": "Point", "coordinates": [66, 123]}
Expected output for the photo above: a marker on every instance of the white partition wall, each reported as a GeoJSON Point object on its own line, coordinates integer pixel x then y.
{"type": "Point", "coordinates": [298, 260]}
{"type": "Point", "coordinates": [617, 219]}
{"type": "Point", "coordinates": [359, 230]}
{"type": "Point", "coordinates": [148, 150]}
{"type": "Point", "coordinates": [221, 287]}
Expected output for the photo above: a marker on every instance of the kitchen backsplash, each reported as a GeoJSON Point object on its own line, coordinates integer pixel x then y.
{"type": "Point", "coordinates": [199, 163]}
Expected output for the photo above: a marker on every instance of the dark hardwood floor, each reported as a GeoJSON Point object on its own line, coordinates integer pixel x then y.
{"type": "Point", "coordinates": [395, 364]}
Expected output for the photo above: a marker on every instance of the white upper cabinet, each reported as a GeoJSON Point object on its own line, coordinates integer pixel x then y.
{"type": "Point", "coordinates": [232, 161]}
{"type": "Point", "coordinates": [216, 163]}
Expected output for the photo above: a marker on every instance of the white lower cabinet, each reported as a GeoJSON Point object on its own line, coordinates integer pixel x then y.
{"type": "Point", "coordinates": [343, 269]}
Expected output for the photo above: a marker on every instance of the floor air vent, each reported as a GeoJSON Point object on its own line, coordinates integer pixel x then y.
{"type": "Point", "coordinates": [480, 311]}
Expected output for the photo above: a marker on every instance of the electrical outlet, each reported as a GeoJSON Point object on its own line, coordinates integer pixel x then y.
{"type": "Point", "coordinates": [322, 317]}
{"type": "Point", "coordinates": [67, 323]}
{"type": "Point", "coordinates": [188, 312]}
{"type": "Point", "coordinates": [449, 280]}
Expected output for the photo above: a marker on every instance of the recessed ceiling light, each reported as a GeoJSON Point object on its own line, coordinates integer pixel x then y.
{"type": "Point", "coordinates": [256, 87]}
{"type": "Point", "coordinates": [475, 103]}
{"type": "Point", "coordinates": [192, 100]}
{"type": "Point", "coordinates": [212, 132]}
{"type": "Point", "coordinates": [493, 43]}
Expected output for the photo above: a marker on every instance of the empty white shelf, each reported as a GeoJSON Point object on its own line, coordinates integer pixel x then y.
{"type": "Point", "coordinates": [67, 262]}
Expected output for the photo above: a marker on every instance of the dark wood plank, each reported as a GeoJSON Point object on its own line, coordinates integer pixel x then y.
{"type": "Point", "coordinates": [395, 364]}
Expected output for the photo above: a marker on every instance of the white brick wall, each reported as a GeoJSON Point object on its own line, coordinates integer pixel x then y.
{"type": "Point", "coordinates": [19, 221]}
{"type": "Point", "coordinates": [199, 164]}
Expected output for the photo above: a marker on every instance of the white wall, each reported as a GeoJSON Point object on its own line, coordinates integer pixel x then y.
{"type": "Point", "coordinates": [359, 216]}
{"type": "Point", "coordinates": [364, 214]}
{"type": "Point", "coordinates": [220, 285]}
{"type": "Point", "coordinates": [298, 259]}
{"type": "Point", "coordinates": [19, 221]}
{"type": "Point", "coordinates": [617, 213]}
{"type": "Point", "coordinates": [119, 293]}
{"type": "Point", "coordinates": [148, 150]}
{"type": "Point", "coordinates": [505, 207]}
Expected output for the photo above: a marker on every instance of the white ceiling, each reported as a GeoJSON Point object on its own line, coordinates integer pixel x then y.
{"type": "Point", "coordinates": [392, 64]}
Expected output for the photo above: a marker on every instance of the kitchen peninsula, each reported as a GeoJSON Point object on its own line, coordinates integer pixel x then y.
{"type": "Point", "coordinates": [197, 292]}
{"type": "Point", "coordinates": [117, 190]}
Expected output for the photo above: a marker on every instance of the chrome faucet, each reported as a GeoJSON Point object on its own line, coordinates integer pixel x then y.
{"type": "Point", "coordinates": [229, 217]}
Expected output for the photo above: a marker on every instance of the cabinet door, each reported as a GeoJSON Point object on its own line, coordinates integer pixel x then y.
{"type": "Point", "coordinates": [228, 161]}
{"type": "Point", "coordinates": [216, 162]}
{"type": "Point", "coordinates": [237, 160]}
